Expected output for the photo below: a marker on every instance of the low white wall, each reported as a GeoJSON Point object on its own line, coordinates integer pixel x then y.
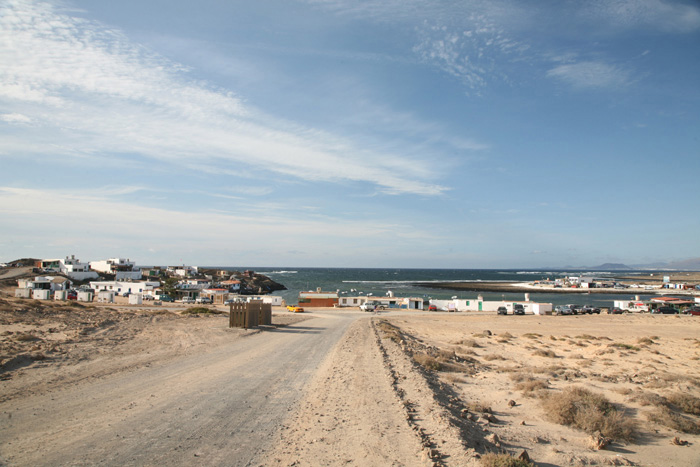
{"type": "Point", "coordinates": [41, 294]}
{"type": "Point", "coordinates": [23, 293]}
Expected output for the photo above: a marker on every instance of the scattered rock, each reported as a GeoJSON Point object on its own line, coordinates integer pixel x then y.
{"type": "Point", "coordinates": [493, 438]}
{"type": "Point", "coordinates": [524, 456]}
{"type": "Point", "coordinates": [488, 333]}
{"type": "Point", "coordinates": [522, 422]}
{"type": "Point", "coordinates": [597, 441]}
{"type": "Point", "coordinates": [679, 442]}
{"type": "Point", "coordinates": [511, 403]}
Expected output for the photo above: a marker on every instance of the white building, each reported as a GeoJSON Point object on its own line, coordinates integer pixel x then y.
{"type": "Point", "coordinates": [406, 303]}
{"type": "Point", "coordinates": [273, 300]}
{"type": "Point", "coordinates": [479, 304]}
{"type": "Point", "coordinates": [123, 269]}
{"type": "Point", "coordinates": [76, 270]}
{"type": "Point", "coordinates": [183, 271]}
{"type": "Point", "coordinates": [120, 287]}
{"type": "Point", "coordinates": [51, 283]}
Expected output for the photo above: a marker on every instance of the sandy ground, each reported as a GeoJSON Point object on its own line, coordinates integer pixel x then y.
{"type": "Point", "coordinates": [120, 385]}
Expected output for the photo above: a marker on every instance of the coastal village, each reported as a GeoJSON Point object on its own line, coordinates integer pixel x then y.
{"type": "Point", "coordinates": [105, 281]}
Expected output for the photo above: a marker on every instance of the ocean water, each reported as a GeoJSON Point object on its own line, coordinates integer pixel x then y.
{"type": "Point", "coordinates": [402, 282]}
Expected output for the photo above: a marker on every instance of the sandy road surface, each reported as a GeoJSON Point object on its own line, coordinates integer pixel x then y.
{"type": "Point", "coordinates": [219, 407]}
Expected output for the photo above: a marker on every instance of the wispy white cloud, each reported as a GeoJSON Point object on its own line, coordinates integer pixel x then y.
{"type": "Point", "coordinates": [665, 15]}
{"type": "Point", "coordinates": [107, 216]}
{"type": "Point", "coordinates": [93, 93]}
{"type": "Point", "coordinates": [15, 118]}
{"type": "Point", "coordinates": [591, 74]}
{"type": "Point", "coordinates": [466, 39]}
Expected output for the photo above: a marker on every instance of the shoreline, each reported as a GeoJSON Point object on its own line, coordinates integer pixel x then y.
{"type": "Point", "coordinates": [526, 288]}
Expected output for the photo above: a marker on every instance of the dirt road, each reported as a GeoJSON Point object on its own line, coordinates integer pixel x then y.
{"type": "Point", "coordinates": [219, 406]}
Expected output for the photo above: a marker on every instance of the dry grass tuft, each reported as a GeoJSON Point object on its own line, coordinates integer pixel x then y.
{"type": "Point", "coordinates": [427, 362]}
{"type": "Point", "coordinates": [492, 357]}
{"type": "Point", "coordinates": [686, 402]}
{"type": "Point", "coordinates": [478, 407]}
{"type": "Point", "coordinates": [202, 310]}
{"type": "Point", "coordinates": [26, 337]}
{"type": "Point", "coordinates": [645, 341]}
{"type": "Point", "coordinates": [531, 385]}
{"type": "Point", "coordinates": [545, 353]}
{"type": "Point", "coordinates": [390, 331]}
{"type": "Point", "coordinates": [624, 346]}
{"type": "Point", "coordinates": [532, 335]}
{"type": "Point", "coordinates": [454, 378]}
{"type": "Point", "coordinates": [503, 460]}
{"type": "Point", "coordinates": [667, 417]}
{"type": "Point", "coordinates": [587, 337]}
{"type": "Point", "coordinates": [588, 411]}
{"type": "Point", "coordinates": [469, 343]}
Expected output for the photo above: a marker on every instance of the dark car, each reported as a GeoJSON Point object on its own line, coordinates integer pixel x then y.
{"type": "Point", "coordinates": [166, 298]}
{"type": "Point", "coordinates": [615, 311]}
{"type": "Point", "coordinates": [693, 310]}
{"type": "Point", "coordinates": [665, 310]}
{"type": "Point", "coordinates": [518, 309]}
{"type": "Point", "coordinates": [502, 310]}
{"type": "Point", "coordinates": [588, 309]}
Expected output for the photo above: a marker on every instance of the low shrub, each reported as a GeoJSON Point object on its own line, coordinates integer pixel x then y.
{"type": "Point", "coordinates": [625, 346]}
{"type": "Point", "coordinates": [667, 417]}
{"type": "Point", "coordinates": [469, 343]}
{"type": "Point", "coordinates": [686, 402]}
{"type": "Point", "coordinates": [26, 337]}
{"type": "Point", "coordinates": [200, 310]}
{"type": "Point", "coordinates": [390, 331]}
{"type": "Point", "coordinates": [545, 353]}
{"type": "Point", "coordinates": [583, 409]}
{"type": "Point", "coordinates": [427, 362]}
{"type": "Point", "coordinates": [503, 460]}
{"type": "Point", "coordinates": [493, 356]}
{"type": "Point", "coordinates": [478, 407]}
{"type": "Point", "coordinates": [531, 385]}
{"type": "Point", "coordinates": [532, 335]}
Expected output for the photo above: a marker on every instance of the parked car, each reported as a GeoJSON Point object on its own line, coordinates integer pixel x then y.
{"type": "Point", "coordinates": [432, 308]}
{"type": "Point", "coordinates": [589, 310]}
{"type": "Point", "coordinates": [693, 310]}
{"type": "Point", "coordinates": [166, 298]}
{"type": "Point", "coordinates": [502, 310]}
{"type": "Point", "coordinates": [371, 305]}
{"type": "Point", "coordinates": [518, 309]}
{"type": "Point", "coordinates": [203, 300]}
{"type": "Point", "coordinates": [576, 309]}
{"type": "Point", "coordinates": [231, 301]}
{"type": "Point", "coordinates": [72, 295]}
{"type": "Point", "coordinates": [615, 311]}
{"type": "Point", "coordinates": [295, 309]}
{"type": "Point", "coordinates": [665, 310]}
{"type": "Point", "coordinates": [188, 300]}
{"type": "Point", "coordinates": [563, 310]}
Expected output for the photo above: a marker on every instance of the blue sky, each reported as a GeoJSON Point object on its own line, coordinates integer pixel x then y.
{"type": "Point", "coordinates": [376, 133]}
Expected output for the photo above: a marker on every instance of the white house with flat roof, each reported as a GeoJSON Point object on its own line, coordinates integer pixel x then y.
{"type": "Point", "coordinates": [122, 287]}
{"type": "Point", "coordinates": [123, 269]}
